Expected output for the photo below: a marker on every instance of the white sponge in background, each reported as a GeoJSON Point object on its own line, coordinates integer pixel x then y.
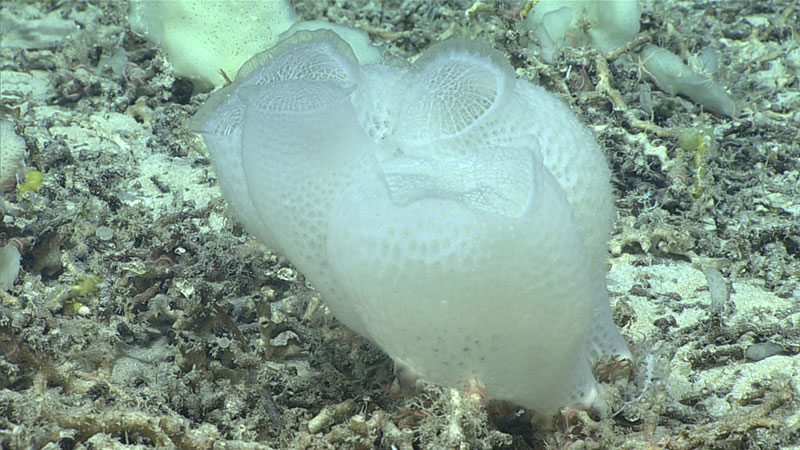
{"type": "Point", "coordinates": [12, 150]}
{"type": "Point", "coordinates": [9, 266]}
{"type": "Point", "coordinates": [603, 25]}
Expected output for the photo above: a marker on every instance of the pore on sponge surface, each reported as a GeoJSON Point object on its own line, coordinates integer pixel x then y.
{"type": "Point", "coordinates": [453, 215]}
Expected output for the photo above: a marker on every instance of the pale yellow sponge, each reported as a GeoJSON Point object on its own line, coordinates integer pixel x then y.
{"type": "Point", "coordinates": [201, 38]}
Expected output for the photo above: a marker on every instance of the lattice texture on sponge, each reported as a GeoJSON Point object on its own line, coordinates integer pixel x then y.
{"type": "Point", "coordinates": [449, 90]}
{"type": "Point", "coordinates": [498, 181]}
{"type": "Point", "coordinates": [320, 55]}
{"type": "Point", "coordinates": [314, 56]}
{"type": "Point", "coordinates": [441, 257]}
{"type": "Point", "coordinates": [292, 96]}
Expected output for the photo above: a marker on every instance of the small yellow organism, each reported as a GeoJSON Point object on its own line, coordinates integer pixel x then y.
{"type": "Point", "coordinates": [85, 286]}
{"type": "Point", "coordinates": [696, 141]}
{"type": "Point", "coordinates": [33, 181]}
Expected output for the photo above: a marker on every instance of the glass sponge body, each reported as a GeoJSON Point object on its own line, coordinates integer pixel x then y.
{"type": "Point", "coordinates": [452, 214]}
